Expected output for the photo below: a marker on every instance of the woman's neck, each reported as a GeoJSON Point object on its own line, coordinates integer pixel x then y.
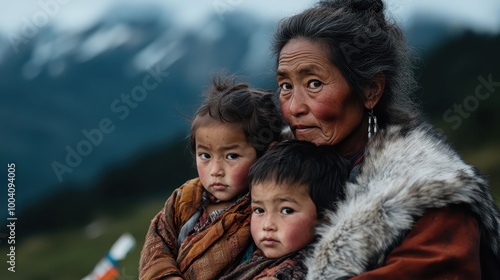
{"type": "Point", "coordinates": [355, 142]}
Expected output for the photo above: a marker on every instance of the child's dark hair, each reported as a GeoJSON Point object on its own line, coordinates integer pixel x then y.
{"type": "Point", "coordinates": [227, 101]}
{"type": "Point", "coordinates": [300, 163]}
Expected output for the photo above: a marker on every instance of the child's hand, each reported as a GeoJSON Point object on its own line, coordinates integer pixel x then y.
{"type": "Point", "coordinates": [269, 278]}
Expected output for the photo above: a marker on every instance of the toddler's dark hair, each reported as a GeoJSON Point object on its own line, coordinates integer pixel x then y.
{"type": "Point", "coordinates": [228, 101]}
{"type": "Point", "coordinates": [296, 163]}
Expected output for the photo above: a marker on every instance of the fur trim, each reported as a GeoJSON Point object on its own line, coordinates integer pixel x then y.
{"type": "Point", "coordinates": [406, 171]}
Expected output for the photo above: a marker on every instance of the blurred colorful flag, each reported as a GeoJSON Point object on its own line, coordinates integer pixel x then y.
{"type": "Point", "coordinates": [108, 267]}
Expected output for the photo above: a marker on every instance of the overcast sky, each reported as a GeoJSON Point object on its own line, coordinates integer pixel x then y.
{"type": "Point", "coordinates": [481, 15]}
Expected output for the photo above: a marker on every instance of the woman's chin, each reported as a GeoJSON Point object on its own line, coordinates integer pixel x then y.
{"type": "Point", "coordinates": [307, 134]}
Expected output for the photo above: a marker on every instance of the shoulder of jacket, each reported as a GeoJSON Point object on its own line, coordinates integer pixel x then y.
{"type": "Point", "coordinates": [192, 190]}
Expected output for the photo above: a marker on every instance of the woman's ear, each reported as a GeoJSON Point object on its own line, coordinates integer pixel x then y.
{"type": "Point", "coordinates": [374, 92]}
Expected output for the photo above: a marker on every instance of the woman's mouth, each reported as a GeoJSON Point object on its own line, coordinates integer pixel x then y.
{"type": "Point", "coordinates": [302, 129]}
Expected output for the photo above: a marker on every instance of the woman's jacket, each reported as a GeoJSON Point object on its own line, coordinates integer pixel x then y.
{"type": "Point", "coordinates": [414, 211]}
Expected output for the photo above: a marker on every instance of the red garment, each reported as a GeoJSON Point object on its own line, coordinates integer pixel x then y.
{"type": "Point", "coordinates": [443, 244]}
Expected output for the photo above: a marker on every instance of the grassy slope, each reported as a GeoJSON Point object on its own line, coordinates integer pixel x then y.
{"type": "Point", "coordinates": [69, 254]}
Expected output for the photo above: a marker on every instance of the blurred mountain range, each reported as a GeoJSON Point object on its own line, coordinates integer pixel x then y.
{"type": "Point", "coordinates": [74, 103]}
{"type": "Point", "coordinates": [77, 107]}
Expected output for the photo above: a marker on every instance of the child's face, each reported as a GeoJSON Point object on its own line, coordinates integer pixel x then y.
{"type": "Point", "coordinates": [223, 159]}
{"type": "Point", "coordinates": [283, 218]}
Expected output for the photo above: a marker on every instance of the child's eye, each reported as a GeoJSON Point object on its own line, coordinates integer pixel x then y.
{"type": "Point", "coordinates": [232, 156]}
{"type": "Point", "coordinates": [258, 210]}
{"type": "Point", "coordinates": [287, 211]}
{"type": "Point", "coordinates": [203, 155]}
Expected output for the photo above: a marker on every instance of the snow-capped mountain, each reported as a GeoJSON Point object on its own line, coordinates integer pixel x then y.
{"type": "Point", "coordinates": [72, 103]}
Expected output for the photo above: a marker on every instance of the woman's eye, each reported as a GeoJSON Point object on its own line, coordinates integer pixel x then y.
{"type": "Point", "coordinates": [314, 84]}
{"type": "Point", "coordinates": [286, 86]}
{"type": "Point", "coordinates": [232, 156]}
{"type": "Point", "coordinates": [287, 211]}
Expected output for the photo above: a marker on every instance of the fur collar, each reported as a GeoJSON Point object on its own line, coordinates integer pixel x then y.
{"type": "Point", "coordinates": [406, 170]}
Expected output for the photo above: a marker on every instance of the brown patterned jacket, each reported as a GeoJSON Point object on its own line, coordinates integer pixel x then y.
{"type": "Point", "coordinates": [207, 255]}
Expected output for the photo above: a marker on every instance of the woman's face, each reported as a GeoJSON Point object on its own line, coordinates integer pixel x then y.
{"type": "Point", "coordinates": [316, 100]}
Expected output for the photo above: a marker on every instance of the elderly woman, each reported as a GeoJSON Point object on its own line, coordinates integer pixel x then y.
{"type": "Point", "coordinates": [413, 209]}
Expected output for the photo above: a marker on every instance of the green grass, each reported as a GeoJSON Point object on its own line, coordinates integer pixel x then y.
{"type": "Point", "coordinates": [487, 160]}
{"type": "Point", "coordinates": [70, 254]}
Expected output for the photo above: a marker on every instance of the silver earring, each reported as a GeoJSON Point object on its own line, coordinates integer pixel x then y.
{"type": "Point", "coordinates": [372, 124]}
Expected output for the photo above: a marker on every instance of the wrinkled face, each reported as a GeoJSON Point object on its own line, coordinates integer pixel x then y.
{"type": "Point", "coordinates": [283, 218]}
{"type": "Point", "coordinates": [315, 98]}
{"type": "Point", "coordinates": [223, 159]}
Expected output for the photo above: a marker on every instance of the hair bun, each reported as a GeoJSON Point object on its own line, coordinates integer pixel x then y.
{"type": "Point", "coordinates": [376, 6]}
{"type": "Point", "coordinates": [367, 5]}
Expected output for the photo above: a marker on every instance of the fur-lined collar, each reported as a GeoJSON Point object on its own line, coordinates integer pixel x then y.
{"type": "Point", "coordinates": [406, 171]}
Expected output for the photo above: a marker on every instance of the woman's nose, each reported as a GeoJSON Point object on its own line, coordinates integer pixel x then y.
{"type": "Point", "coordinates": [297, 104]}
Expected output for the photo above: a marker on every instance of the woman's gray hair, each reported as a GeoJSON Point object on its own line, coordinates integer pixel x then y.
{"type": "Point", "coordinates": [362, 44]}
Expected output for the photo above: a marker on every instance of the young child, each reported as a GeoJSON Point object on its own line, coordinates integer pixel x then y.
{"type": "Point", "coordinates": [204, 228]}
{"type": "Point", "coordinates": [291, 186]}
